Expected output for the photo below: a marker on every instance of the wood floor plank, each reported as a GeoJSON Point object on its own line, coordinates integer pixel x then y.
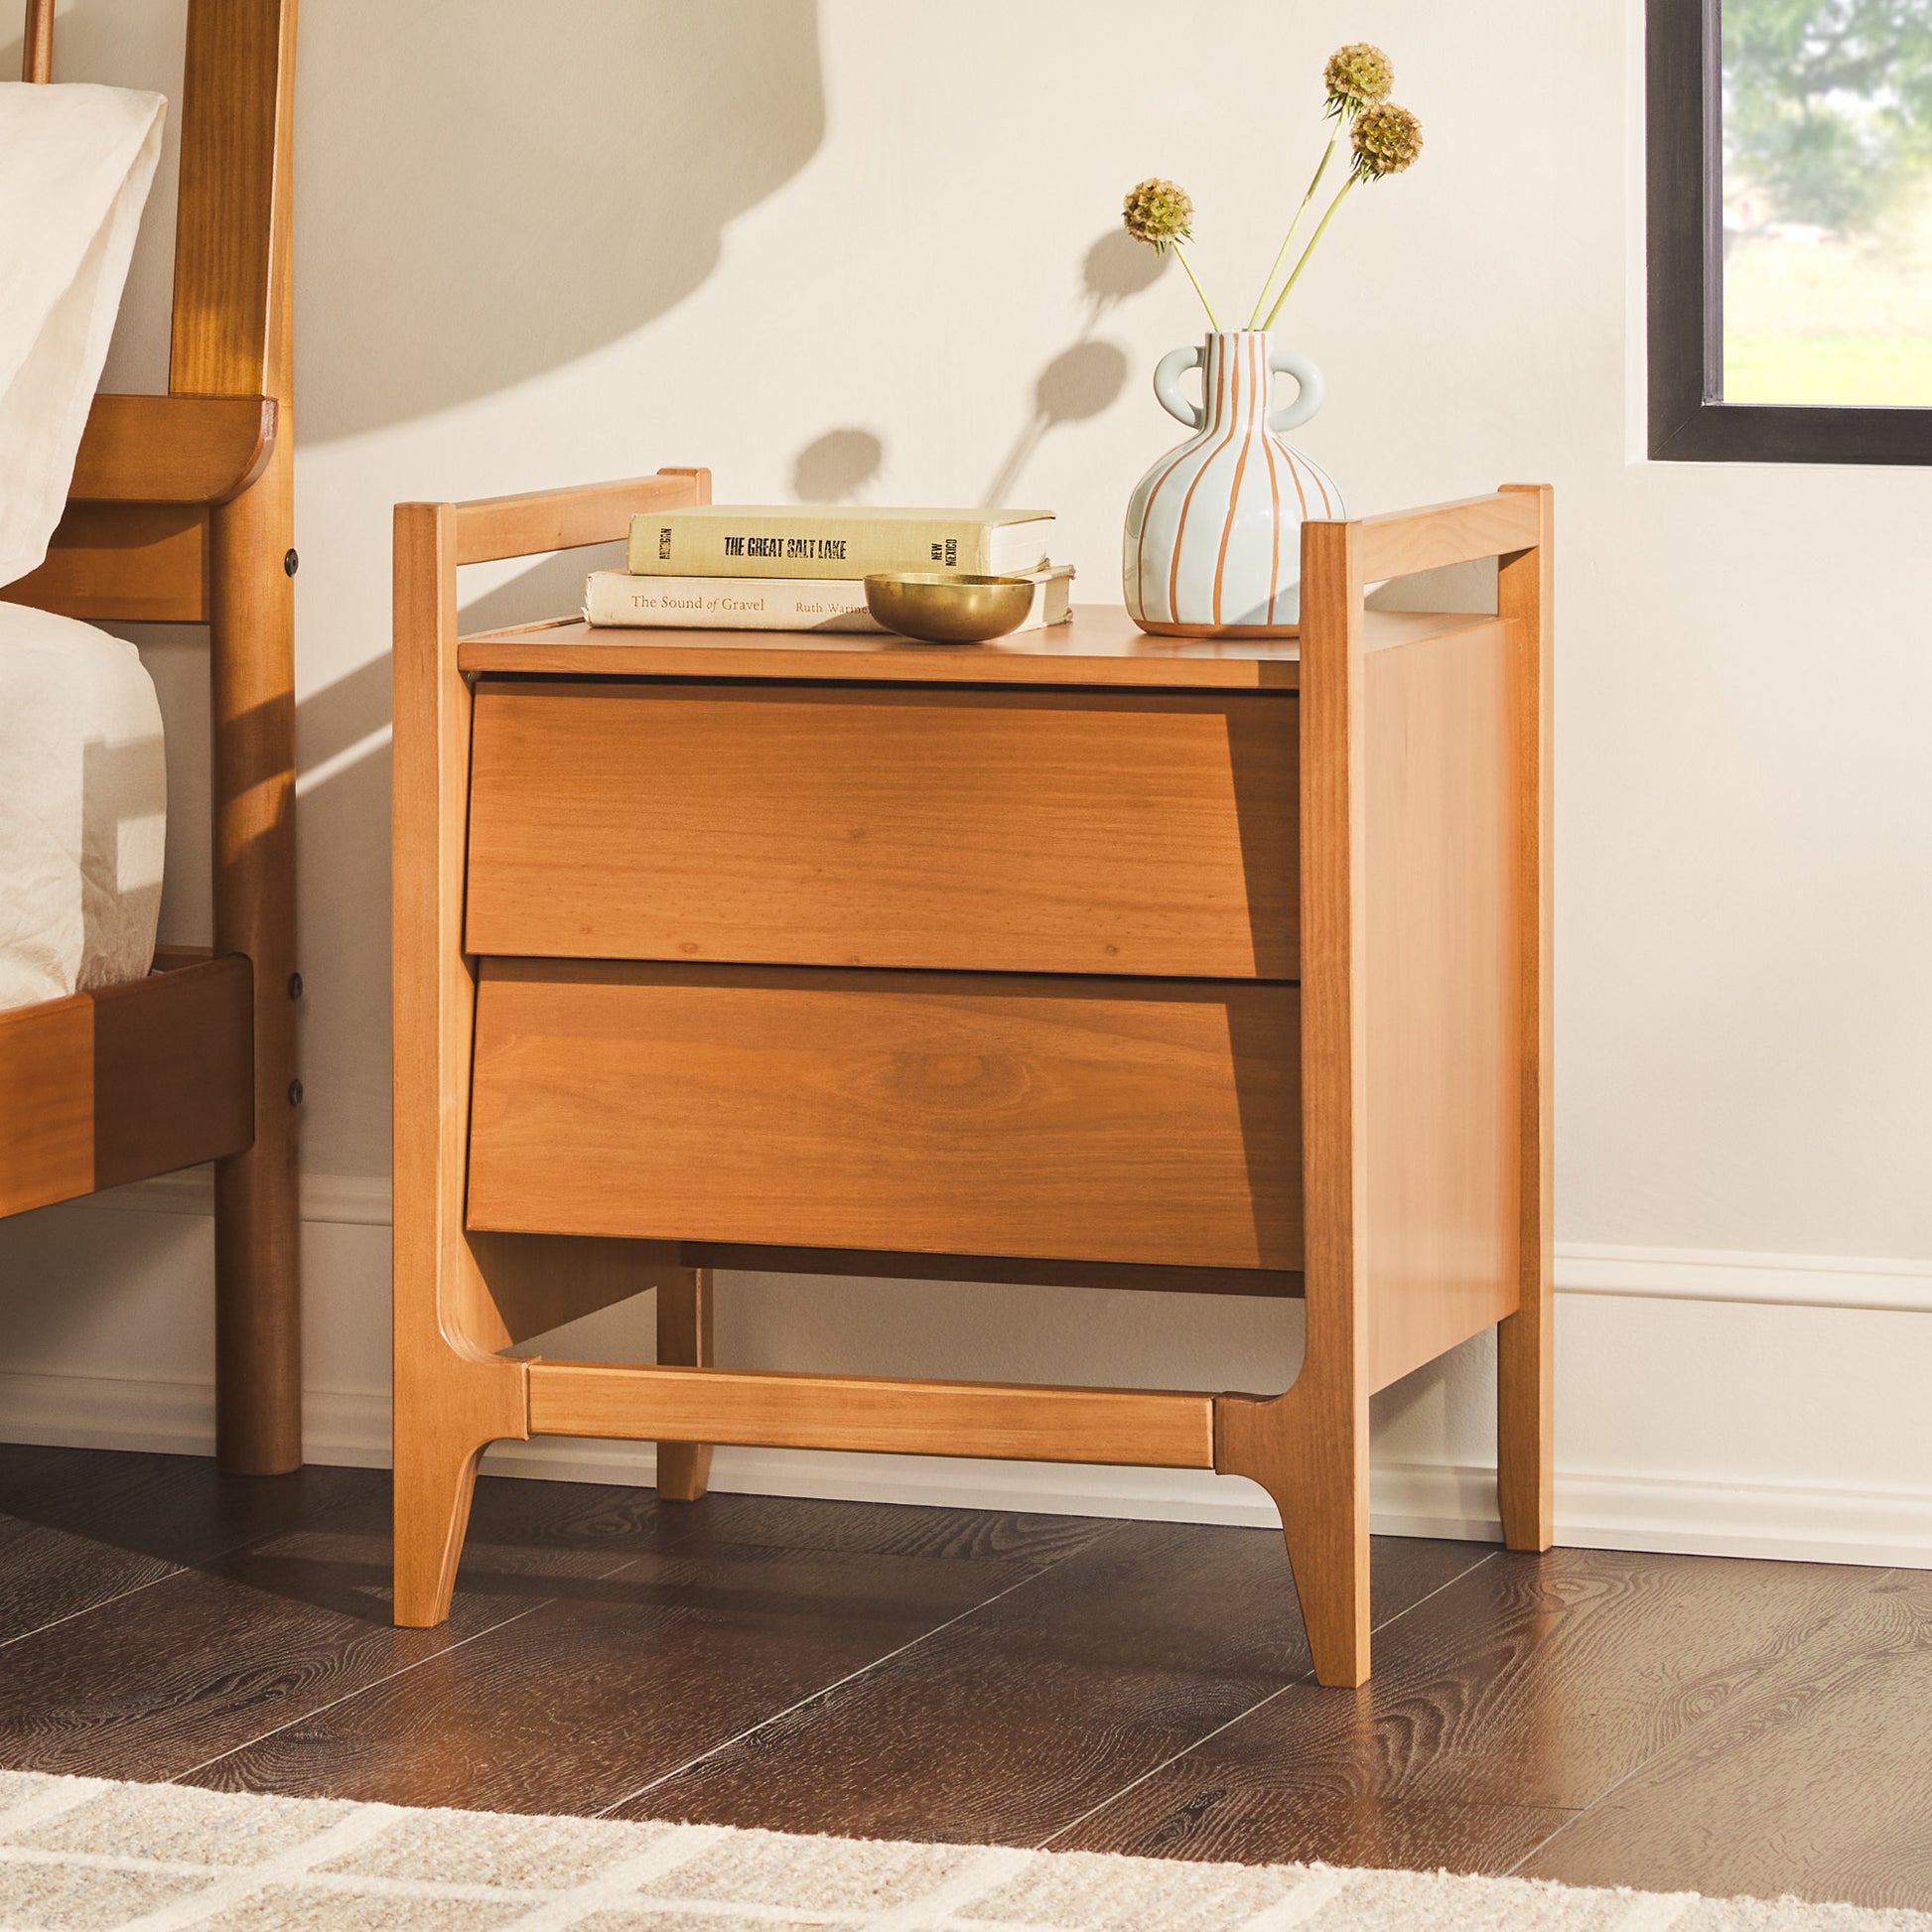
{"type": "Point", "coordinates": [220, 1653]}
{"type": "Point", "coordinates": [1818, 1783]}
{"type": "Point", "coordinates": [82, 1527]}
{"type": "Point", "coordinates": [1231, 1818]}
{"type": "Point", "coordinates": [1659, 1722]}
{"type": "Point", "coordinates": [1533, 1683]}
{"type": "Point", "coordinates": [1016, 1720]}
{"type": "Point", "coordinates": [739, 1607]}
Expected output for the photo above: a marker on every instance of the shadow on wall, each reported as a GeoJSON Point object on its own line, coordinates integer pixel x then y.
{"type": "Point", "coordinates": [1086, 378]}
{"type": "Point", "coordinates": [838, 467]}
{"type": "Point", "coordinates": [549, 178]}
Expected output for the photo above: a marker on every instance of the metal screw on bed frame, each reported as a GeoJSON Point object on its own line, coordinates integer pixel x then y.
{"type": "Point", "coordinates": [291, 563]}
{"type": "Point", "coordinates": [295, 986]}
{"type": "Point", "coordinates": [295, 1093]}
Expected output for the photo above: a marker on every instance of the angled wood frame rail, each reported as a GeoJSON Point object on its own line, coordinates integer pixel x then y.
{"type": "Point", "coordinates": [180, 512]}
{"type": "Point", "coordinates": [466, 1296]}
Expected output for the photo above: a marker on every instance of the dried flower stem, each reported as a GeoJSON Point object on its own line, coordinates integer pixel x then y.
{"type": "Point", "coordinates": [1281, 254]}
{"type": "Point", "coordinates": [1181, 255]}
{"type": "Point", "coordinates": [1340, 195]}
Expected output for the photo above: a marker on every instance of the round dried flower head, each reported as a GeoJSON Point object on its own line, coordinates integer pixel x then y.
{"type": "Point", "coordinates": [1157, 212]}
{"type": "Point", "coordinates": [1356, 76]}
{"type": "Point", "coordinates": [1386, 139]}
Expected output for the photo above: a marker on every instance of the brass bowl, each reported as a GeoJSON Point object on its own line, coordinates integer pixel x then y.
{"type": "Point", "coordinates": [934, 607]}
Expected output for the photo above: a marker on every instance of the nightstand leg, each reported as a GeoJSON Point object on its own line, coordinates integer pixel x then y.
{"type": "Point", "coordinates": [1309, 1449]}
{"type": "Point", "coordinates": [684, 1339]}
{"type": "Point", "coordinates": [1524, 1402]}
{"type": "Point", "coordinates": [435, 1482]}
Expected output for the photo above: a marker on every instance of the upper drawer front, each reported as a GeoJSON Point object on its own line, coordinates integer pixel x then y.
{"type": "Point", "coordinates": [1142, 1121]}
{"type": "Point", "coordinates": [991, 830]}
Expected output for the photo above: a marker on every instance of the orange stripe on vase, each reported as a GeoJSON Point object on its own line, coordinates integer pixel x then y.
{"type": "Point", "coordinates": [1275, 518]}
{"type": "Point", "coordinates": [1147, 516]}
{"type": "Point", "coordinates": [1247, 426]}
{"type": "Point", "coordinates": [1186, 503]}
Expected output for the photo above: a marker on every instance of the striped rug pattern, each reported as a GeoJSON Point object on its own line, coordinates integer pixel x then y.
{"type": "Point", "coordinates": [88, 1855]}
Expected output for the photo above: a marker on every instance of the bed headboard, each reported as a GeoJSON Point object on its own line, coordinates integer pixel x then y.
{"type": "Point", "coordinates": [137, 542]}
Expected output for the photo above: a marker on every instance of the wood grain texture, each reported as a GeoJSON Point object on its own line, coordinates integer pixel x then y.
{"type": "Point", "coordinates": [1240, 1815]}
{"type": "Point", "coordinates": [133, 1080]}
{"type": "Point", "coordinates": [996, 831]}
{"type": "Point", "coordinates": [1100, 647]}
{"type": "Point", "coordinates": [730, 1611]}
{"type": "Point", "coordinates": [453, 1394]}
{"type": "Point", "coordinates": [123, 563]}
{"type": "Point", "coordinates": [233, 337]}
{"type": "Point", "coordinates": [232, 331]}
{"type": "Point", "coordinates": [79, 1528]}
{"type": "Point", "coordinates": [529, 524]}
{"type": "Point", "coordinates": [257, 1236]}
{"type": "Point", "coordinates": [1399, 543]}
{"type": "Point", "coordinates": [241, 1644]}
{"type": "Point", "coordinates": [1526, 1341]}
{"type": "Point", "coordinates": [878, 1414]}
{"type": "Point", "coordinates": [1815, 1781]}
{"type": "Point", "coordinates": [1009, 1725]}
{"type": "Point", "coordinates": [1139, 1121]}
{"type": "Point", "coordinates": [1739, 1726]}
{"type": "Point", "coordinates": [1308, 1448]}
{"type": "Point", "coordinates": [1440, 1098]}
{"type": "Point", "coordinates": [172, 449]}
{"type": "Point", "coordinates": [1539, 1682]}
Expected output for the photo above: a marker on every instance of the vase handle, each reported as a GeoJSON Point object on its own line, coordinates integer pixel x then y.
{"type": "Point", "coordinates": [1312, 392]}
{"type": "Point", "coordinates": [1166, 385]}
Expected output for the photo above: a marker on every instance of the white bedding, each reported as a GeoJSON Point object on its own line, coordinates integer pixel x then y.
{"type": "Point", "coordinates": [83, 803]}
{"type": "Point", "coordinates": [82, 784]}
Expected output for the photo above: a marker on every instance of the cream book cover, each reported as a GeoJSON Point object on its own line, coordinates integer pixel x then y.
{"type": "Point", "coordinates": [814, 540]}
{"type": "Point", "coordinates": [618, 598]}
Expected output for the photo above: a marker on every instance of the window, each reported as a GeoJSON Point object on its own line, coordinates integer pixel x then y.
{"type": "Point", "coordinates": [1789, 157]}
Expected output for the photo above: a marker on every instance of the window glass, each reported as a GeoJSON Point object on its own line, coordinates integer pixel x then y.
{"type": "Point", "coordinates": [1828, 202]}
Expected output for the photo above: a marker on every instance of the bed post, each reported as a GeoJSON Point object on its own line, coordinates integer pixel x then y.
{"type": "Point", "coordinates": [231, 337]}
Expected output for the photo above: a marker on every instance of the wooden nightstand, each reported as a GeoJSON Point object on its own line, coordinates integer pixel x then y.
{"type": "Point", "coordinates": [1083, 957]}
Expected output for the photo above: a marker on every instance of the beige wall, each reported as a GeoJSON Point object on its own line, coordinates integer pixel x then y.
{"type": "Point", "coordinates": [869, 247]}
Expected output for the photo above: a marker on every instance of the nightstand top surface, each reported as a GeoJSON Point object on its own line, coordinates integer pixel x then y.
{"type": "Point", "coordinates": [1100, 646]}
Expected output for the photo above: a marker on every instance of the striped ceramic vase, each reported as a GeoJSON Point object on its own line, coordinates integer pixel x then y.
{"type": "Point", "coordinates": [1213, 539]}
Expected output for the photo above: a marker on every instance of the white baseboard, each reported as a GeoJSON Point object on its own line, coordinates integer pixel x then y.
{"type": "Point", "coordinates": [1583, 1268]}
{"type": "Point", "coordinates": [1596, 1510]}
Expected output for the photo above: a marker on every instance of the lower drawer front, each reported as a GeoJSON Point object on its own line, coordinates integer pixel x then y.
{"type": "Point", "coordinates": [1093, 1119]}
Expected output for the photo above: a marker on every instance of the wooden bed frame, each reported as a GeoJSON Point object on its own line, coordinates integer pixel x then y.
{"type": "Point", "coordinates": [180, 512]}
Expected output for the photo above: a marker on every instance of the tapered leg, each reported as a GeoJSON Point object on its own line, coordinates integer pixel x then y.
{"type": "Point", "coordinates": [436, 1479]}
{"type": "Point", "coordinates": [1308, 1450]}
{"type": "Point", "coordinates": [684, 1339]}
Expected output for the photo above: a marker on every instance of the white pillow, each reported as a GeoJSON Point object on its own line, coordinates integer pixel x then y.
{"type": "Point", "coordinates": [76, 164]}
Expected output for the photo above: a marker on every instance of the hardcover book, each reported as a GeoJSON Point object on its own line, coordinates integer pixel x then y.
{"type": "Point", "coordinates": [811, 540]}
{"type": "Point", "coordinates": [618, 597]}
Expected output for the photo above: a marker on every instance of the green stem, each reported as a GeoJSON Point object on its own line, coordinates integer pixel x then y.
{"type": "Point", "coordinates": [1340, 195]}
{"type": "Point", "coordinates": [1212, 320]}
{"type": "Point", "coordinates": [1281, 254]}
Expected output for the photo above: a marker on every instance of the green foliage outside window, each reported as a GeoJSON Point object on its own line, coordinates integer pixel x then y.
{"type": "Point", "coordinates": [1828, 104]}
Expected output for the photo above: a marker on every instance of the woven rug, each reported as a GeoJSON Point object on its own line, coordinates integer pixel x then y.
{"type": "Point", "coordinates": [85, 1855]}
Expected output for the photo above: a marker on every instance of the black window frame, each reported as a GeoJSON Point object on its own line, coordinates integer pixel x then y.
{"type": "Point", "coordinates": [1684, 191]}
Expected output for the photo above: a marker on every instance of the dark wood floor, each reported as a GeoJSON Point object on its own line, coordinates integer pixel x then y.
{"type": "Point", "coordinates": [1661, 1722]}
